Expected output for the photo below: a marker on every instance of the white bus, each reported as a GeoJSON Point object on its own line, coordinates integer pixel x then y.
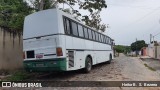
{"type": "Point", "coordinates": [55, 41]}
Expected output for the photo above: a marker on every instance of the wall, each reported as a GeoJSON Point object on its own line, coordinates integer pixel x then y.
{"type": "Point", "coordinates": [151, 51]}
{"type": "Point", "coordinates": [10, 50]}
{"type": "Point", "coordinates": [158, 52]}
{"type": "Point", "coordinates": [144, 51]}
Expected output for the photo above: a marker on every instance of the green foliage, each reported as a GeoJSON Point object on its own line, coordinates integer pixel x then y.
{"type": "Point", "coordinates": [94, 7]}
{"type": "Point", "coordinates": [150, 68]}
{"type": "Point", "coordinates": [138, 45]}
{"type": "Point", "coordinates": [18, 75]}
{"type": "Point", "coordinates": [43, 4]}
{"type": "Point", "coordinates": [122, 49]}
{"type": "Point", "coordinates": [119, 48]}
{"type": "Point", "coordinates": [12, 13]}
{"type": "Point", "coordinates": [127, 49]}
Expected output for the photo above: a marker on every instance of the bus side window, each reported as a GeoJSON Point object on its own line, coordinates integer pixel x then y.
{"type": "Point", "coordinates": [94, 36]}
{"type": "Point", "coordinates": [74, 29]}
{"type": "Point", "coordinates": [80, 30]}
{"type": "Point", "coordinates": [90, 34]}
{"type": "Point", "coordinates": [102, 38]}
{"type": "Point", "coordinates": [85, 32]}
{"type": "Point", "coordinates": [67, 26]}
{"type": "Point", "coordinates": [107, 40]}
{"type": "Point", "coordinates": [99, 37]}
{"type": "Point", "coordinates": [104, 41]}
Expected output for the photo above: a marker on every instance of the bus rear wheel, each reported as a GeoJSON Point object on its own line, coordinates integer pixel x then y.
{"type": "Point", "coordinates": [110, 59]}
{"type": "Point", "coordinates": [88, 65]}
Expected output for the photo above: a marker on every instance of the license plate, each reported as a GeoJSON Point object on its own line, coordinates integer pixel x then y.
{"type": "Point", "coordinates": [39, 65]}
{"type": "Point", "coordinates": [39, 56]}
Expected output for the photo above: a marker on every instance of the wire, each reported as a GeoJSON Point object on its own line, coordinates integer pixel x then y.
{"type": "Point", "coordinates": [146, 15]}
{"type": "Point", "coordinates": [140, 7]}
{"type": "Point", "coordinates": [157, 34]}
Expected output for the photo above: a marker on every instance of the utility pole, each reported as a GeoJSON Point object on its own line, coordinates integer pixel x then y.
{"type": "Point", "coordinates": [136, 47]}
{"type": "Point", "coordinates": [154, 37]}
{"type": "Point", "coordinates": [107, 27]}
{"type": "Point", "coordinates": [150, 38]}
{"type": "Point", "coordinates": [153, 40]}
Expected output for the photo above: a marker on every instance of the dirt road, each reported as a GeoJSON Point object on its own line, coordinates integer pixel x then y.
{"type": "Point", "coordinates": [122, 68]}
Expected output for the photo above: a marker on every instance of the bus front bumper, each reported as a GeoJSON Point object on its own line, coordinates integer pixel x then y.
{"type": "Point", "coordinates": [45, 65]}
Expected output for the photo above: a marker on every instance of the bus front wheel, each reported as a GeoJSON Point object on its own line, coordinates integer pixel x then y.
{"type": "Point", "coordinates": [88, 65]}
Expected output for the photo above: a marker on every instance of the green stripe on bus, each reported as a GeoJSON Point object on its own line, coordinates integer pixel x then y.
{"type": "Point", "coordinates": [58, 64]}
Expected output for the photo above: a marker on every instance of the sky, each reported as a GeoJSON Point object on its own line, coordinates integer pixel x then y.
{"type": "Point", "coordinates": [131, 19]}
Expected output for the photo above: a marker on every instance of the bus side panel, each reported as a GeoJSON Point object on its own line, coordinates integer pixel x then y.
{"type": "Point", "coordinates": [101, 52]}
{"type": "Point", "coordinates": [76, 46]}
{"type": "Point", "coordinates": [80, 59]}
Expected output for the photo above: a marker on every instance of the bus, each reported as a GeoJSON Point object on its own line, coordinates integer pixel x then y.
{"type": "Point", "coordinates": [56, 41]}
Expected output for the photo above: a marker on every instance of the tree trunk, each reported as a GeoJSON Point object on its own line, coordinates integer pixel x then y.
{"type": "Point", "coordinates": [41, 5]}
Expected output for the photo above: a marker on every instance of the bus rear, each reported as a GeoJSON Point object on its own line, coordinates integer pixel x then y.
{"type": "Point", "coordinates": [41, 47]}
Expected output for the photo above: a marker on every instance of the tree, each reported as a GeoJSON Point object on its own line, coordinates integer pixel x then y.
{"type": "Point", "coordinates": [119, 48]}
{"type": "Point", "coordinates": [127, 49]}
{"type": "Point", "coordinates": [93, 6]}
{"type": "Point", "coordinates": [136, 46]}
{"type": "Point", "coordinates": [12, 13]}
{"type": "Point", "coordinates": [122, 49]}
{"type": "Point", "coordinates": [39, 5]}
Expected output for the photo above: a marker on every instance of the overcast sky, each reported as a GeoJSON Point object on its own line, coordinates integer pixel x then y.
{"type": "Point", "coordinates": [131, 19]}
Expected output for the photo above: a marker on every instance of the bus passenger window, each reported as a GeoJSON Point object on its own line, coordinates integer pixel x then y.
{"type": "Point", "coordinates": [74, 29]}
{"type": "Point", "coordinates": [90, 34]}
{"type": "Point", "coordinates": [85, 32]}
{"type": "Point", "coordinates": [99, 37]}
{"type": "Point", "coordinates": [80, 30]}
{"type": "Point", "coordinates": [107, 40]}
{"type": "Point", "coordinates": [67, 26]}
{"type": "Point", "coordinates": [102, 38]}
{"type": "Point", "coordinates": [94, 36]}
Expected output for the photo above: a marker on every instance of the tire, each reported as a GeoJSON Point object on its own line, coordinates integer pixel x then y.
{"type": "Point", "coordinates": [110, 59]}
{"type": "Point", "coordinates": [88, 65]}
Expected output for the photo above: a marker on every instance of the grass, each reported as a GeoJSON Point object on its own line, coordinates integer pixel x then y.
{"type": "Point", "coordinates": [150, 68]}
{"type": "Point", "coordinates": [18, 76]}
